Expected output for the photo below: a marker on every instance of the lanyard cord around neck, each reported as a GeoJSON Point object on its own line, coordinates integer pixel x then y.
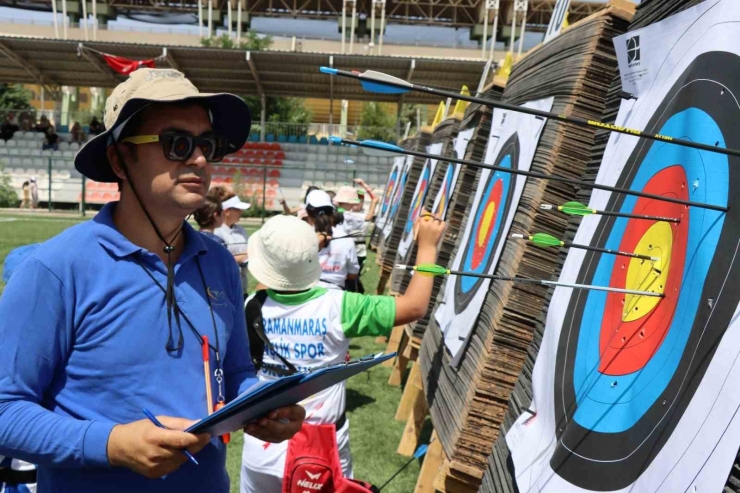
{"type": "Point", "coordinates": [216, 349]}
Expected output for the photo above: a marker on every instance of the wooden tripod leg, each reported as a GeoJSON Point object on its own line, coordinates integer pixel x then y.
{"type": "Point", "coordinates": [417, 414]}
{"type": "Point", "coordinates": [411, 393]}
{"type": "Point", "coordinates": [400, 363]}
{"type": "Point", "coordinates": [382, 282]}
{"type": "Point", "coordinates": [394, 341]}
{"type": "Point", "coordinates": [429, 469]}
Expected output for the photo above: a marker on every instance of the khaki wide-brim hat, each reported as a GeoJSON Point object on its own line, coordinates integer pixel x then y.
{"type": "Point", "coordinates": [230, 115]}
{"type": "Point", "coordinates": [284, 254]}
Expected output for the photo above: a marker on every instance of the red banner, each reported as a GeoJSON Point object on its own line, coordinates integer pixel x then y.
{"type": "Point", "coordinates": [124, 66]}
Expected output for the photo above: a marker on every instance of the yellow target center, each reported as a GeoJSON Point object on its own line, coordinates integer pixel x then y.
{"type": "Point", "coordinates": [486, 223]}
{"type": "Point", "coordinates": [647, 275]}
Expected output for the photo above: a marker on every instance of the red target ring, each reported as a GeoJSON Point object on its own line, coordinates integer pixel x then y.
{"type": "Point", "coordinates": [634, 327]}
{"type": "Point", "coordinates": [487, 224]}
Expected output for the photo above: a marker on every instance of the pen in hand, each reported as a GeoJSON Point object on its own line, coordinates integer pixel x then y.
{"type": "Point", "coordinates": [154, 420]}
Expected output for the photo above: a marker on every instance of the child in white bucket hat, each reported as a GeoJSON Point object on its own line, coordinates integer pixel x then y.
{"type": "Point", "coordinates": [310, 327]}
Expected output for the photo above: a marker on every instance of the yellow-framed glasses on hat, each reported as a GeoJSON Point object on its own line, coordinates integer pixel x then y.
{"type": "Point", "coordinates": [179, 146]}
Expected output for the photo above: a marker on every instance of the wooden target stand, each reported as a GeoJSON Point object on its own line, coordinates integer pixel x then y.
{"type": "Point", "coordinates": [413, 405]}
{"type": "Point", "coordinates": [435, 474]}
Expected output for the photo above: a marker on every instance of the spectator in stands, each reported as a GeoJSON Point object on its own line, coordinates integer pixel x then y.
{"type": "Point", "coordinates": [233, 234]}
{"type": "Point", "coordinates": [77, 134]}
{"type": "Point", "coordinates": [52, 139]}
{"type": "Point", "coordinates": [26, 121]}
{"type": "Point", "coordinates": [294, 210]}
{"type": "Point", "coordinates": [108, 318]}
{"type": "Point", "coordinates": [95, 126]}
{"type": "Point", "coordinates": [26, 202]}
{"type": "Point", "coordinates": [9, 126]}
{"type": "Point", "coordinates": [283, 256]}
{"type": "Point", "coordinates": [34, 188]}
{"type": "Point", "coordinates": [210, 217]}
{"type": "Point", "coordinates": [43, 124]}
{"type": "Point", "coordinates": [339, 265]}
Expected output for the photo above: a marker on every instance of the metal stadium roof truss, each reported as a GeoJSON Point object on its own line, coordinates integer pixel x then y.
{"type": "Point", "coordinates": [55, 63]}
{"type": "Point", "coordinates": [452, 13]}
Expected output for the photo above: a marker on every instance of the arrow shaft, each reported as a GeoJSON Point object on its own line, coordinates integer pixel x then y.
{"type": "Point", "coordinates": [543, 282]}
{"type": "Point", "coordinates": [638, 216]}
{"type": "Point", "coordinates": [556, 283]}
{"type": "Point", "coordinates": [582, 122]}
{"type": "Point", "coordinates": [609, 251]}
{"type": "Point", "coordinates": [561, 179]}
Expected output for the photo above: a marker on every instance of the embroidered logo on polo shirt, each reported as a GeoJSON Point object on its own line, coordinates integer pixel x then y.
{"type": "Point", "coordinates": [218, 297]}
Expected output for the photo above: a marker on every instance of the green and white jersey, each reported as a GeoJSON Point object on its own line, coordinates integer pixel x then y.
{"type": "Point", "coordinates": [312, 330]}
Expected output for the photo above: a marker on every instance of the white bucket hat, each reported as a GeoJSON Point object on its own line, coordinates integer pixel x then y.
{"type": "Point", "coordinates": [284, 254]}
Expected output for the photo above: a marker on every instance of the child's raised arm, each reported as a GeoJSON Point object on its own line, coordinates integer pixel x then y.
{"type": "Point", "coordinates": [413, 304]}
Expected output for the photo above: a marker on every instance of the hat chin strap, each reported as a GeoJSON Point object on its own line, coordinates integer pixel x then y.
{"type": "Point", "coordinates": [168, 249]}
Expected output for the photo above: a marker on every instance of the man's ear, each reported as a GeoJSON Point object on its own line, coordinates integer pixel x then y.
{"type": "Point", "coordinates": [115, 163]}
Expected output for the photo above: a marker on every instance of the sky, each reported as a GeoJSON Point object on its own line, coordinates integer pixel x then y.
{"type": "Point", "coordinates": [395, 33]}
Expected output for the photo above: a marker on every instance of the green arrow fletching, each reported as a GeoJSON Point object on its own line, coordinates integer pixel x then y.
{"type": "Point", "coordinates": [431, 269]}
{"type": "Point", "coordinates": [545, 240]}
{"type": "Point", "coordinates": [575, 209]}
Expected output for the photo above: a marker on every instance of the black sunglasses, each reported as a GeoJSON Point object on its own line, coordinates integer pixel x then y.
{"type": "Point", "coordinates": [179, 146]}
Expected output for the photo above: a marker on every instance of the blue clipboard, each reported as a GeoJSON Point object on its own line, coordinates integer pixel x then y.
{"type": "Point", "coordinates": [286, 391]}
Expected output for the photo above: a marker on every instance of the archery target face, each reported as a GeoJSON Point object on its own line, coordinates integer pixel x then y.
{"type": "Point", "coordinates": [389, 187]}
{"type": "Point", "coordinates": [630, 403]}
{"type": "Point", "coordinates": [417, 202]}
{"type": "Point", "coordinates": [488, 225]}
{"type": "Point", "coordinates": [444, 195]}
{"type": "Point", "coordinates": [397, 194]}
{"type": "Point", "coordinates": [512, 145]}
{"type": "Point", "coordinates": [440, 208]}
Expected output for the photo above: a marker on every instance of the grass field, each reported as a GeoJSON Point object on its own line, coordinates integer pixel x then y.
{"type": "Point", "coordinates": [371, 403]}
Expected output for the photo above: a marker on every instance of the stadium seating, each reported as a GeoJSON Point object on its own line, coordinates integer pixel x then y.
{"type": "Point", "coordinates": [280, 169]}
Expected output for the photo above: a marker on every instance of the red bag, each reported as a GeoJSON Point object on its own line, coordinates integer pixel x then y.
{"type": "Point", "coordinates": [312, 464]}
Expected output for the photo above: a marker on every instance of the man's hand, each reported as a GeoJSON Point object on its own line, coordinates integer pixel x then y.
{"type": "Point", "coordinates": [429, 229]}
{"type": "Point", "coordinates": [278, 426]}
{"type": "Point", "coordinates": [152, 451]}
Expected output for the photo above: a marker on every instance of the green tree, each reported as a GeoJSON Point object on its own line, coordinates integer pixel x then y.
{"type": "Point", "coordinates": [14, 96]}
{"type": "Point", "coordinates": [377, 122]}
{"type": "Point", "coordinates": [408, 114]}
{"type": "Point", "coordinates": [8, 197]}
{"type": "Point", "coordinates": [249, 41]}
{"type": "Point", "coordinates": [279, 109]}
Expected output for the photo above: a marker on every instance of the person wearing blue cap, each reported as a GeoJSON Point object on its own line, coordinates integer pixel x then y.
{"type": "Point", "coordinates": [118, 314]}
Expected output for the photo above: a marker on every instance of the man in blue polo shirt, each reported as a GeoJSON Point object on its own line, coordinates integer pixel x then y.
{"type": "Point", "coordinates": [114, 315]}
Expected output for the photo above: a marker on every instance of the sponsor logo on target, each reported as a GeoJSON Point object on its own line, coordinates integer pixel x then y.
{"type": "Point", "coordinates": [633, 51]}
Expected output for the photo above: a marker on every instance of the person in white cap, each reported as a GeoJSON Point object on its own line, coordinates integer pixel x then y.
{"type": "Point", "coordinates": [231, 232]}
{"type": "Point", "coordinates": [356, 223]}
{"type": "Point", "coordinates": [34, 187]}
{"type": "Point", "coordinates": [115, 315]}
{"type": "Point", "coordinates": [339, 264]}
{"type": "Point", "coordinates": [310, 327]}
